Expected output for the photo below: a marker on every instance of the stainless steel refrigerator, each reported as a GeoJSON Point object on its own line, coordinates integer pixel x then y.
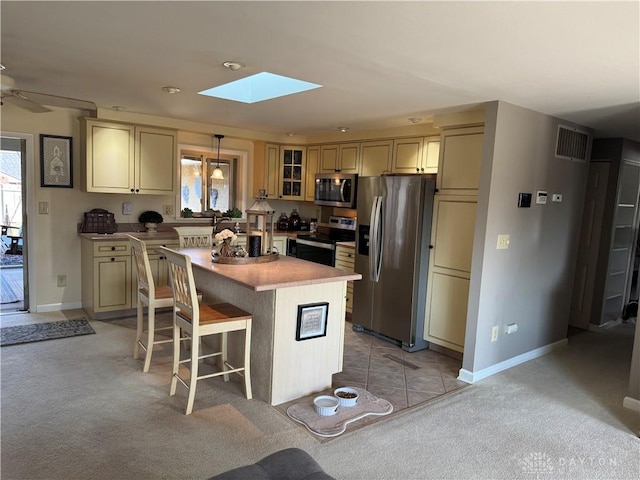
{"type": "Point", "coordinates": [392, 254]}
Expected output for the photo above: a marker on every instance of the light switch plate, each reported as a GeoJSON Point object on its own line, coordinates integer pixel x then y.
{"type": "Point", "coordinates": [127, 208]}
{"type": "Point", "coordinates": [503, 242]}
{"type": "Point", "coordinates": [43, 208]}
{"type": "Point", "coordinates": [541, 197]}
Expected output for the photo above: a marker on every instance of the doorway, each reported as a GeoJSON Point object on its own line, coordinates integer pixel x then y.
{"type": "Point", "coordinates": [14, 296]}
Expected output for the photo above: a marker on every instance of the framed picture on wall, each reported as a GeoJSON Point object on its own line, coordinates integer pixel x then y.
{"type": "Point", "coordinates": [56, 161]}
{"type": "Point", "coordinates": [312, 321]}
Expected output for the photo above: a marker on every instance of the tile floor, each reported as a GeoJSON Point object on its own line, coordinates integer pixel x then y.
{"type": "Point", "coordinates": [384, 369]}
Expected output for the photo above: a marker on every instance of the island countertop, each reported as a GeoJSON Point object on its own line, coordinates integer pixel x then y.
{"type": "Point", "coordinates": [282, 273]}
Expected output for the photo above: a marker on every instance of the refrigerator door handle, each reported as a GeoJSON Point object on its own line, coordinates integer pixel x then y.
{"type": "Point", "coordinates": [372, 240]}
{"type": "Point", "coordinates": [375, 234]}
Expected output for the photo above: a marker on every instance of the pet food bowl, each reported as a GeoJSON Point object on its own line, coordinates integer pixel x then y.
{"type": "Point", "coordinates": [325, 405]}
{"type": "Point", "coordinates": [347, 396]}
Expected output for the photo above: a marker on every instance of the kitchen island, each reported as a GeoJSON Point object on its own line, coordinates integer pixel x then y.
{"type": "Point", "coordinates": [282, 367]}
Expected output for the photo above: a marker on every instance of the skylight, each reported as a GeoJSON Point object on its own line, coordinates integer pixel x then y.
{"type": "Point", "coordinates": [259, 87]}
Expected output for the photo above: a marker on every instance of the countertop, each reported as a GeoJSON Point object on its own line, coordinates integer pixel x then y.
{"type": "Point", "coordinates": [282, 273]}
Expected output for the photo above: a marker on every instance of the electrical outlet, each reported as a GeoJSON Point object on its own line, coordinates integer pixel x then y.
{"type": "Point", "coordinates": [503, 242]}
{"type": "Point", "coordinates": [43, 208]}
{"type": "Point", "coordinates": [494, 333]}
{"type": "Point", "coordinates": [168, 210]}
{"type": "Point", "coordinates": [511, 328]}
{"type": "Point", "coordinates": [62, 280]}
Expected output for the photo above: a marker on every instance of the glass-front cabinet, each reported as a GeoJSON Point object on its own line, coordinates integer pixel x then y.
{"type": "Point", "coordinates": [292, 172]}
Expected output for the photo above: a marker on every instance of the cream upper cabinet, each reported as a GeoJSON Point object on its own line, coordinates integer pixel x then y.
{"type": "Point", "coordinates": [430, 155]}
{"type": "Point", "coordinates": [292, 177]}
{"type": "Point", "coordinates": [344, 157]}
{"type": "Point", "coordinates": [272, 169]}
{"type": "Point", "coordinates": [407, 155]}
{"type": "Point", "coordinates": [329, 158]}
{"type": "Point", "coordinates": [349, 158]}
{"type": "Point", "coordinates": [155, 160]}
{"type": "Point", "coordinates": [416, 155]}
{"type": "Point", "coordinates": [124, 158]}
{"type": "Point", "coordinates": [375, 157]}
{"type": "Point", "coordinates": [313, 162]}
{"type": "Point", "coordinates": [460, 160]}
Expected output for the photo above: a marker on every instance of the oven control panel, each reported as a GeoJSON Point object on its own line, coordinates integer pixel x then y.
{"type": "Point", "coordinates": [345, 223]}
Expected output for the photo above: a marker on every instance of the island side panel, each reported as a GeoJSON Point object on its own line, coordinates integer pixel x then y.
{"type": "Point", "coordinates": [217, 289]}
{"type": "Point", "coordinates": [306, 366]}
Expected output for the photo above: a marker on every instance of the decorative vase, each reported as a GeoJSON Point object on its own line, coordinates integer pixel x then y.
{"type": "Point", "coordinates": [151, 227]}
{"type": "Point", "coordinates": [225, 248]}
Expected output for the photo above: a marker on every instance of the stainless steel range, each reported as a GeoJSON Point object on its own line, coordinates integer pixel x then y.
{"type": "Point", "coordinates": [320, 247]}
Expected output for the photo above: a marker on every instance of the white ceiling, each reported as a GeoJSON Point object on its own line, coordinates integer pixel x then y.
{"type": "Point", "coordinates": [380, 62]}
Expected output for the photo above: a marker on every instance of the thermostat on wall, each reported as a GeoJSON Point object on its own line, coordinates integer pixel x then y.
{"type": "Point", "coordinates": [541, 197]}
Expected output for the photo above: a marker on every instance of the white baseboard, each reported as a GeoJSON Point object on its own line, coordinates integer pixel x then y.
{"type": "Point", "coordinates": [611, 323]}
{"type": "Point", "coordinates": [472, 377]}
{"type": "Point", "coordinates": [631, 403]}
{"type": "Point", "coordinates": [55, 307]}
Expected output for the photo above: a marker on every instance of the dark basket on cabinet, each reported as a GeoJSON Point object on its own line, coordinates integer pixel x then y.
{"type": "Point", "coordinates": [99, 220]}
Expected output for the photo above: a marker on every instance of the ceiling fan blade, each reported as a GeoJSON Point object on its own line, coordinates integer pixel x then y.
{"type": "Point", "coordinates": [25, 103]}
{"type": "Point", "coordinates": [56, 100]}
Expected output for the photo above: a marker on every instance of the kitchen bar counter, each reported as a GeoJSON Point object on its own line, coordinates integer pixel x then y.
{"type": "Point", "coordinates": [275, 293]}
{"type": "Point", "coordinates": [282, 273]}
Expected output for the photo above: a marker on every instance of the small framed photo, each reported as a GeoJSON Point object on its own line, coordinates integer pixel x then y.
{"type": "Point", "coordinates": [312, 321]}
{"type": "Point", "coordinates": [56, 161]}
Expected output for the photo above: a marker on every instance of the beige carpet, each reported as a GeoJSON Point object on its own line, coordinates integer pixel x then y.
{"type": "Point", "coordinates": [80, 407]}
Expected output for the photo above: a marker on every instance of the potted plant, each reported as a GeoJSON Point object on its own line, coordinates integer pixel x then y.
{"type": "Point", "coordinates": [150, 219]}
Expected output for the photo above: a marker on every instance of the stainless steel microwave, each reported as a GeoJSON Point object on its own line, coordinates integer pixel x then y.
{"type": "Point", "coordinates": [336, 189]}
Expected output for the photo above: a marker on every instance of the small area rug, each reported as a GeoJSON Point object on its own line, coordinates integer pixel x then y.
{"type": "Point", "coordinates": [38, 332]}
{"type": "Point", "coordinates": [334, 425]}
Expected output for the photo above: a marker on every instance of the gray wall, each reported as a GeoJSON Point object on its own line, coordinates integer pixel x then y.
{"type": "Point", "coordinates": [531, 282]}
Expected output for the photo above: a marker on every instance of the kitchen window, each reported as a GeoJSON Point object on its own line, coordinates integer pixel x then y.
{"type": "Point", "coordinates": [200, 192]}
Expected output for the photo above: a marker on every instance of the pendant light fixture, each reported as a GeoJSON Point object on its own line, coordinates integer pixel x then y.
{"type": "Point", "coordinates": [217, 172]}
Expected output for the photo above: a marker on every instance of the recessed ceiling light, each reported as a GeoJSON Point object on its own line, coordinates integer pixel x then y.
{"type": "Point", "coordinates": [259, 87]}
{"type": "Point", "coordinates": [415, 120]}
{"type": "Point", "coordinates": [291, 134]}
{"type": "Point", "coordinates": [343, 129]}
{"type": "Point", "coordinates": [171, 89]}
{"type": "Point", "coordinates": [233, 65]}
{"type": "Point", "coordinates": [117, 108]}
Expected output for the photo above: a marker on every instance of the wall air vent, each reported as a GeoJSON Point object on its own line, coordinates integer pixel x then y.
{"type": "Point", "coordinates": [572, 144]}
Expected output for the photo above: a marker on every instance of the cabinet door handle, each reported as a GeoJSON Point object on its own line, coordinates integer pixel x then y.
{"type": "Point", "coordinates": [417, 169]}
{"type": "Point", "coordinates": [137, 190]}
{"type": "Point", "coordinates": [113, 249]}
{"type": "Point", "coordinates": [132, 190]}
{"type": "Point", "coordinates": [430, 247]}
{"type": "Point", "coordinates": [113, 259]}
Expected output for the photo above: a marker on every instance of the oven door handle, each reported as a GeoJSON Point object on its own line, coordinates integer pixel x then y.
{"type": "Point", "coordinates": [311, 243]}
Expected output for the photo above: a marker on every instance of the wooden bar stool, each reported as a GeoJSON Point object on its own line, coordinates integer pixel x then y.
{"type": "Point", "coordinates": [195, 237]}
{"type": "Point", "coordinates": [151, 296]}
{"type": "Point", "coordinates": [198, 321]}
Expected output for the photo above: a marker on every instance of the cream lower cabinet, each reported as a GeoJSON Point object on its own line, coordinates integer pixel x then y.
{"type": "Point", "coordinates": [106, 277]}
{"type": "Point", "coordinates": [345, 260]}
{"type": "Point", "coordinates": [125, 158]}
{"type": "Point", "coordinates": [109, 277]}
{"type": "Point", "coordinates": [449, 270]}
